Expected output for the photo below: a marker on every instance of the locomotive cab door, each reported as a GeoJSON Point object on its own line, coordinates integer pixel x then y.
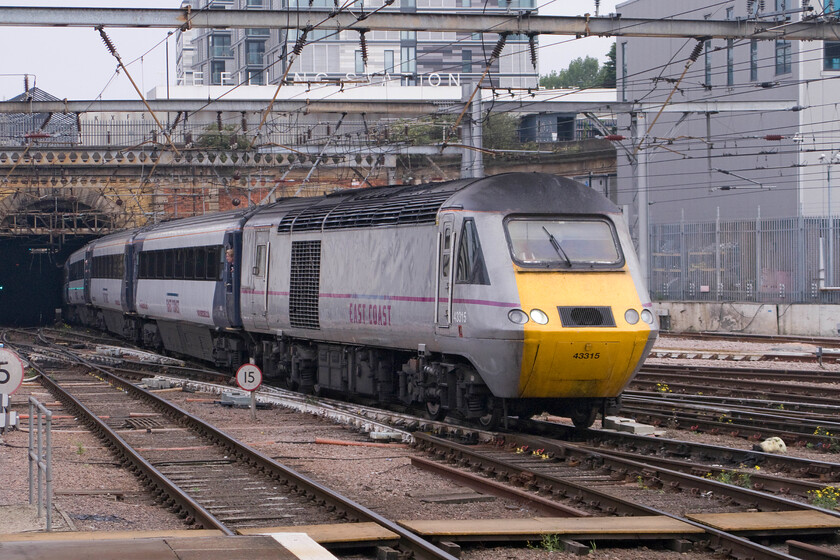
{"type": "Point", "coordinates": [260, 278]}
{"type": "Point", "coordinates": [444, 281]}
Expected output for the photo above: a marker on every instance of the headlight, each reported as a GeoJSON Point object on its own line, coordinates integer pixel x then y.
{"type": "Point", "coordinates": [631, 316]}
{"type": "Point", "coordinates": [647, 316]}
{"type": "Point", "coordinates": [518, 316]}
{"type": "Point", "coordinates": [539, 316]}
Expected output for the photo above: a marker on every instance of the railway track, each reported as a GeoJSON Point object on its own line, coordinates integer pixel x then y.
{"type": "Point", "coordinates": [828, 342]}
{"type": "Point", "coordinates": [802, 476]}
{"type": "Point", "coordinates": [201, 474]}
{"type": "Point", "coordinates": [598, 483]}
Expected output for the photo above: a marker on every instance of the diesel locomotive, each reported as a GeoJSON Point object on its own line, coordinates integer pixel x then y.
{"type": "Point", "coordinates": [509, 295]}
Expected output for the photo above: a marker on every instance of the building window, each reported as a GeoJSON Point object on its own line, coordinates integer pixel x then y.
{"type": "Point", "coordinates": [219, 46]}
{"type": "Point", "coordinates": [360, 63]}
{"type": "Point", "coordinates": [255, 52]}
{"type": "Point", "coordinates": [408, 60]}
{"type": "Point", "coordinates": [831, 58]}
{"type": "Point", "coordinates": [389, 62]}
{"type": "Point", "coordinates": [753, 60]}
{"type": "Point", "coordinates": [255, 78]}
{"type": "Point", "coordinates": [707, 48]}
{"type": "Point", "coordinates": [254, 3]}
{"type": "Point", "coordinates": [408, 35]}
{"type": "Point", "coordinates": [624, 71]}
{"type": "Point", "coordinates": [466, 3]}
{"type": "Point", "coordinates": [466, 61]}
{"type": "Point", "coordinates": [217, 68]}
{"type": "Point", "coordinates": [783, 57]}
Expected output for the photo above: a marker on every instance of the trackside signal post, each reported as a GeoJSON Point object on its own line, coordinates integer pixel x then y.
{"type": "Point", "coordinates": [249, 378]}
{"type": "Point", "coordinates": [11, 376]}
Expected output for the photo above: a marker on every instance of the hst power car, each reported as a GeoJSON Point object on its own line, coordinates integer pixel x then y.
{"type": "Point", "coordinates": [509, 295]}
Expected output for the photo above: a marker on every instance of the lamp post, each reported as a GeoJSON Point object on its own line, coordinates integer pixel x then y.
{"type": "Point", "coordinates": [830, 260]}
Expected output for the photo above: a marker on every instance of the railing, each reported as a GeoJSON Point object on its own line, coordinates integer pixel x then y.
{"type": "Point", "coordinates": [40, 457]}
{"type": "Point", "coordinates": [764, 260]}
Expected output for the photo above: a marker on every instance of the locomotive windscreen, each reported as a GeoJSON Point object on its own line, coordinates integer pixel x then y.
{"type": "Point", "coordinates": [553, 243]}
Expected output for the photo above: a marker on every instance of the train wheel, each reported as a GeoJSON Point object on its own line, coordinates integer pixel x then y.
{"type": "Point", "coordinates": [435, 411]}
{"type": "Point", "coordinates": [584, 415]}
{"type": "Point", "coordinates": [494, 415]}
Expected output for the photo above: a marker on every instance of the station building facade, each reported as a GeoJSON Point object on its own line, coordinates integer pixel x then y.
{"type": "Point", "coordinates": [738, 201]}
{"type": "Point", "coordinates": [260, 56]}
{"type": "Point", "coordinates": [780, 161]}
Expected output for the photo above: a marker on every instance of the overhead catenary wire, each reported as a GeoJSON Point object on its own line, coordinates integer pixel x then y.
{"type": "Point", "coordinates": [113, 50]}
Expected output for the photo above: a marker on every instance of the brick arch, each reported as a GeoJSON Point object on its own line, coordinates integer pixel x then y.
{"type": "Point", "coordinates": [109, 214]}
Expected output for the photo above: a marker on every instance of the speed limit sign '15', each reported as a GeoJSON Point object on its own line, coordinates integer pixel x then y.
{"type": "Point", "coordinates": [11, 372]}
{"type": "Point", "coordinates": [249, 377]}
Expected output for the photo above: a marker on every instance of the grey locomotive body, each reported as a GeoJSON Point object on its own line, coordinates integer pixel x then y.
{"type": "Point", "coordinates": [413, 294]}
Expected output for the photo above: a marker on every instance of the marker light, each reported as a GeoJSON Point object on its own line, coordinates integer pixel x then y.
{"type": "Point", "coordinates": [518, 316]}
{"type": "Point", "coordinates": [647, 316]}
{"type": "Point", "coordinates": [539, 316]}
{"type": "Point", "coordinates": [631, 316]}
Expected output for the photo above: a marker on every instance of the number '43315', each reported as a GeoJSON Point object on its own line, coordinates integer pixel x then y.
{"type": "Point", "coordinates": [586, 355]}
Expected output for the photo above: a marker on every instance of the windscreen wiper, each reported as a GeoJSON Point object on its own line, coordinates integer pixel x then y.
{"type": "Point", "coordinates": [557, 247]}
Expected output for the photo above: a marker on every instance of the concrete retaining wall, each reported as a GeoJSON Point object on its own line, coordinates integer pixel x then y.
{"type": "Point", "coordinates": [756, 318]}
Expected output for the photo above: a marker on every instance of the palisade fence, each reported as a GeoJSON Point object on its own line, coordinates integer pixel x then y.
{"type": "Point", "coordinates": [67, 131]}
{"type": "Point", "coordinates": [763, 260]}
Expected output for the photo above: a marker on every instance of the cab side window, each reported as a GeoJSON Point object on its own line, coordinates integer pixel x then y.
{"type": "Point", "coordinates": [471, 268]}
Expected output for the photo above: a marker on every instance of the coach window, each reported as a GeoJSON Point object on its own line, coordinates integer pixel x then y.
{"type": "Point", "coordinates": [189, 263]}
{"type": "Point", "coordinates": [169, 263]}
{"type": "Point", "coordinates": [447, 245]}
{"type": "Point", "coordinates": [159, 264]}
{"type": "Point", "coordinates": [259, 261]}
{"type": "Point", "coordinates": [471, 268]}
{"type": "Point", "coordinates": [200, 263]}
{"type": "Point", "coordinates": [179, 263]}
{"type": "Point", "coordinates": [214, 266]}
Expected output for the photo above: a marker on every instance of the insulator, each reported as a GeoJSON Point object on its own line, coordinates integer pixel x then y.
{"type": "Point", "coordinates": [500, 45]}
{"type": "Point", "coordinates": [532, 45]}
{"type": "Point", "coordinates": [363, 46]}
{"type": "Point", "coordinates": [107, 40]}
{"type": "Point", "coordinates": [597, 7]}
{"type": "Point", "coordinates": [698, 48]}
{"type": "Point", "coordinates": [774, 137]}
{"type": "Point", "coordinates": [750, 6]}
{"type": "Point", "coordinates": [760, 5]}
{"type": "Point", "coordinates": [614, 137]}
{"type": "Point", "coordinates": [26, 83]}
{"type": "Point", "coordinates": [301, 41]}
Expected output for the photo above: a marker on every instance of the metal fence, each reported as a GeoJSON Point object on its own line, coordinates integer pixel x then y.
{"type": "Point", "coordinates": [763, 260]}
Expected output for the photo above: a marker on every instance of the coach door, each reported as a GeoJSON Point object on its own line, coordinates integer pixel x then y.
{"type": "Point", "coordinates": [261, 278]}
{"type": "Point", "coordinates": [445, 270]}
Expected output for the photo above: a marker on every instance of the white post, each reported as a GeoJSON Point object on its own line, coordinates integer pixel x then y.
{"type": "Point", "coordinates": [254, 393]}
{"type": "Point", "coordinates": [641, 187]}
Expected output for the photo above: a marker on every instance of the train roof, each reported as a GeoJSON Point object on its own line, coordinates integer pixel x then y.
{"type": "Point", "coordinates": [532, 193]}
{"type": "Point", "coordinates": [208, 223]}
{"type": "Point", "coordinates": [416, 204]}
{"type": "Point", "coordinates": [118, 240]}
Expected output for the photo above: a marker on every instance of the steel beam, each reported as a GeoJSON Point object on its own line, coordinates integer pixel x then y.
{"type": "Point", "coordinates": [383, 106]}
{"type": "Point", "coordinates": [520, 22]}
{"type": "Point", "coordinates": [195, 105]}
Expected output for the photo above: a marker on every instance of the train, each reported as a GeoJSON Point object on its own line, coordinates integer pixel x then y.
{"type": "Point", "coordinates": [510, 295]}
